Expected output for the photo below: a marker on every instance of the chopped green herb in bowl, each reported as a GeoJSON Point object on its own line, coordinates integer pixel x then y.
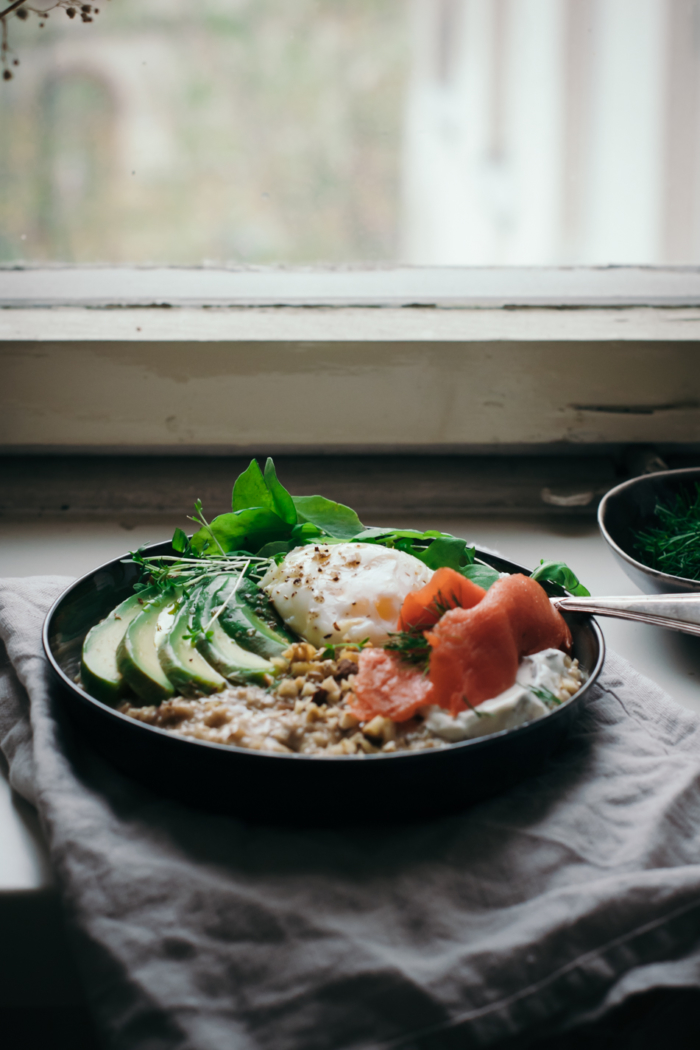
{"type": "Point", "coordinates": [651, 524]}
{"type": "Point", "coordinates": [673, 546]}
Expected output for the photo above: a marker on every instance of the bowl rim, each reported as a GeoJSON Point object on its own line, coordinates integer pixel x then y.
{"type": "Point", "coordinates": [249, 753]}
{"type": "Point", "coordinates": [630, 483]}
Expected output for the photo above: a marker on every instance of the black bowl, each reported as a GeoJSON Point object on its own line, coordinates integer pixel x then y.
{"type": "Point", "coordinates": [630, 507]}
{"type": "Point", "coordinates": [301, 789]}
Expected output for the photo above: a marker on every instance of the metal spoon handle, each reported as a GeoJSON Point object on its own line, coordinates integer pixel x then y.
{"type": "Point", "coordinates": [679, 612]}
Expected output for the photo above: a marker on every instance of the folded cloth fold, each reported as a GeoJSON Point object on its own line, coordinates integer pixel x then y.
{"type": "Point", "coordinates": [556, 900]}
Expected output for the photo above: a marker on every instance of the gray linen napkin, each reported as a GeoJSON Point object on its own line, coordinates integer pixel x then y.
{"type": "Point", "coordinates": [553, 902]}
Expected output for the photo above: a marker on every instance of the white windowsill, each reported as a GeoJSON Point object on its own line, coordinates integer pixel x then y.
{"type": "Point", "coordinates": [447, 286]}
{"type": "Point", "coordinates": [186, 324]}
{"type": "Point", "coordinates": [101, 358]}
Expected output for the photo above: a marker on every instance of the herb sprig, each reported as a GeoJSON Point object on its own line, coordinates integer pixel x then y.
{"type": "Point", "coordinates": [185, 572]}
{"type": "Point", "coordinates": [331, 649]}
{"type": "Point", "coordinates": [673, 546]}
{"type": "Point", "coordinates": [410, 646]}
{"type": "Point", "coordinates": [546, 696]}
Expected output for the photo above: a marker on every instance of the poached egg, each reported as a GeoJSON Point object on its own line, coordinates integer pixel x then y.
{"type": "Point", "coordinates": [343, 592]}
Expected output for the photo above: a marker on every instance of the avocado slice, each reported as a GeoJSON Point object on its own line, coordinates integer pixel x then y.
{"type": "Point", "coordinates": [218, 648]}
{"type": "Point", "coordinates": [137, 654]}
{"type": "Point", "coordinates": [250, 620]}
{"type": "Point", "coordinates": [99, 673]}
{"type": "Point", "coordinates": [184, 665]}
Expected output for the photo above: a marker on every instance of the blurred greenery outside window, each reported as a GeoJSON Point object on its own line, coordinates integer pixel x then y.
{"type": "Point", "coordinates": [172, 131]}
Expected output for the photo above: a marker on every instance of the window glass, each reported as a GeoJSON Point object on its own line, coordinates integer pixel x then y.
{"type": "Point", "coordinates": [441, 132]}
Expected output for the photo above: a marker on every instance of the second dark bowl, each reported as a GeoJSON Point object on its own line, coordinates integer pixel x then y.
{"type": "Point", "coordinates": [630, 507]}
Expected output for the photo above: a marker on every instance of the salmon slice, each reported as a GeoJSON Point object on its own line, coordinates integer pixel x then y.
{"type": "Point", "coordinates": [386, 685]}
{"type": "Point", "coordinates": [476, 652]}
{"type": "Point", "coordinates": [421, 609]}
{"type": "Point", "coordinates": [536, 624]}
{"type": "Point", "coordinates": [475, 648]}
{"type": "Point", "coordinates": [474, 656]}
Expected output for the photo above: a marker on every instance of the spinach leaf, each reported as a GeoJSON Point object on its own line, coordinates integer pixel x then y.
{"type": "Point", "coordinates": [305, 532]}
{"type": "Point", "coordinates": [250, 490]}
{"type": "Point", "coordinates": [388, 536]}
{"type": "Point", "coordinates": [333, 518]}
{"type": "Point", "coordinates": [446, 551]}
{"type": "Point", "coordinates": [483, 575]}
{"type": "Point", "coordinates": [435, 549]}
{"type": "Point", "coordinates": [276, 547]}
{"type": "Point", "coordinates": [559, 572]}
{"type": "Point", "coordinates": [243, 530]}
{"type": "Point", "coordinates": [283, 504]}
{"type": "Point", "coordinates": [179, 541]}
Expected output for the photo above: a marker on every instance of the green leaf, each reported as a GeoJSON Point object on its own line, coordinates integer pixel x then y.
{"type": "Point", "coordinates": [307, 533]}
{"type": "Point", "coordinates": [335, 519]}
{"type": "Point", "coordinates": [179, 541]}
{"type": "Point", "coordinates": [243, 530]}
{"type": "Point", "coordinates": [387, 536]}
{"type": "Point", "coordinates": [446, 552]}
{"type": "Point", "coordinates": [331, 650]}
{"type": "Point", "coordinates": [275, 547]}
{"type": "Point", "coordinates": [483, 575]}
{"type": "Point", "coordinates": [253, 489]}
{"type": "Point", "coordinates": [559, 572]}
{"type": "Point", "coordinates": [283, 504]}
{"type": "Point", "coordinates": [435, 549]}
{"type": "Point", "coordinates": [250, 490]}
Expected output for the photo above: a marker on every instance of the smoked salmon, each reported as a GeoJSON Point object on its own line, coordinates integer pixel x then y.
{"type": "Point", "coordinates": [446, 589]}
{"type": "Point", "coordinates": [476, 652]}
{"type": "Point", "coordinates": [386, 685]}
{"type": "Point", "coordinates": [536, 624]}
{"type": "Point", "coordinates": [474, 656]}
{"type": "Point", "coordinates": [475, 647]}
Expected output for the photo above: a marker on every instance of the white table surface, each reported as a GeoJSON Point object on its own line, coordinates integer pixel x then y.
{"type": "Point", "coordinates": [70, 547]}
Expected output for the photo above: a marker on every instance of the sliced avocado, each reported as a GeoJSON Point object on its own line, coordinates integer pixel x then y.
{"type": "Point", "coordinates": [137, 655]}
{"type": "Point", "coordinates": [250, 620]}
{"type": "Point", "coordinates": [184, 665]}
{"type": "Point", "coordinates": [99, 673]}
{"type": "Point", "coordinates": [220, 650]}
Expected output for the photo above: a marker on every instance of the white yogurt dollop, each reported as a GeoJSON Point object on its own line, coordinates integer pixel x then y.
{"type": "Point", "coordinates": [512, 708]}
{"type": "Point", "coordinates": [343, 592]}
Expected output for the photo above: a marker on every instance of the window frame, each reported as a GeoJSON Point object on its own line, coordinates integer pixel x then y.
{"type": "Point", "coordinates": [479, 358]}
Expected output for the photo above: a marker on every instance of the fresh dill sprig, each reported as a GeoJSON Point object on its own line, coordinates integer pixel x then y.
{"type": "Point", "coordinates": [673, 546]}
{"type": "Point", "coordinates": [546, 696]}
{"type": "Point", "coordinates": [410, 646]}
{"type": "Point", "coordinates": [477, 712]}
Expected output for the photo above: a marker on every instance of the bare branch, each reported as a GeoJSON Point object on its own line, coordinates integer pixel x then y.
{"type": "Point", "coordinates": [12, 7]}
{"type": "Point", "coordinates": [86, 11]}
